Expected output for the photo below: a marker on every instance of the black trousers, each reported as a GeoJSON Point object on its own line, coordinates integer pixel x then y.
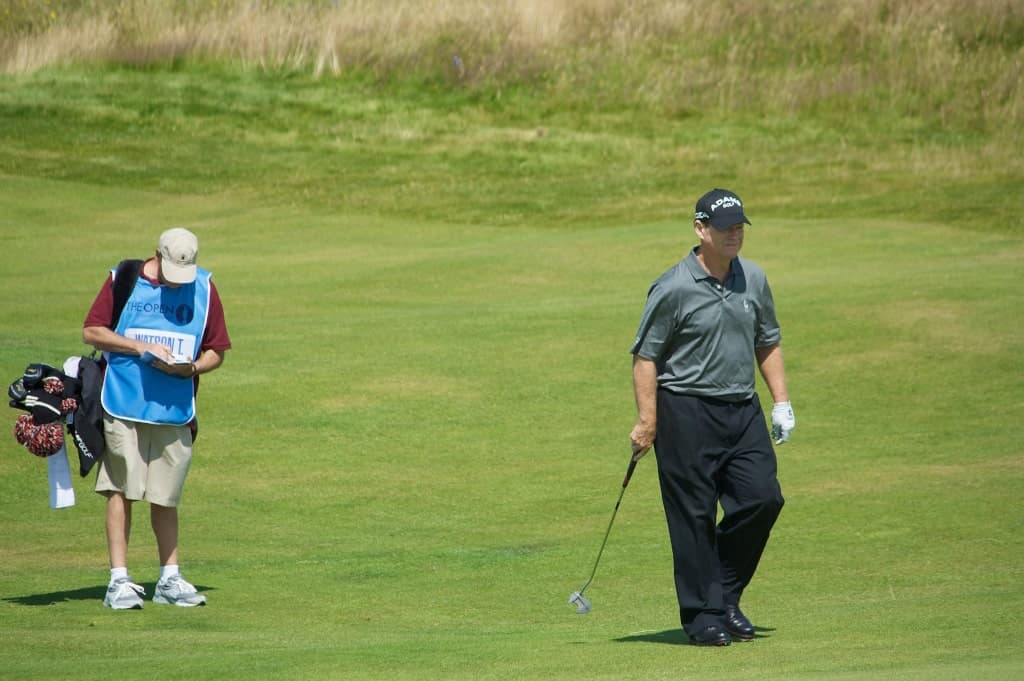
{"type": "Point", "coordinates": [712, 452]}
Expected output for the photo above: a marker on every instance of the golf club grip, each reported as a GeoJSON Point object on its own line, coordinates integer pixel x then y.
{"type": "Point", "coordinates": [629, 472]}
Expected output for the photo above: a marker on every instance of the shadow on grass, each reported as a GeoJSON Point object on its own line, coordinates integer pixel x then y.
{"type": "Point", "coordinates": [87, 593]}
{"type": "Point", "coordinates": [675, 637]}
{"type": "Point", "coordinates": [670, 636]}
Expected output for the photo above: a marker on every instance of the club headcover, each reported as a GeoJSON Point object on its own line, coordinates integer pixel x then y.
{"type": "Point", "coordinates": [42, 439]}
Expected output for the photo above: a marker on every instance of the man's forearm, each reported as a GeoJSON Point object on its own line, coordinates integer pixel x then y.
{"type": "Point", "coordinates": [105, 340]}
{"type": "Point", "coordinates": [773, 370]}
{"type": "Point", "coordinates": [645, 390]}
{"type": "Point", "coordinates": [208, 360]}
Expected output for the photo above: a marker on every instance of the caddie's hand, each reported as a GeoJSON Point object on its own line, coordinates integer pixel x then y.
{"type": "Point", "coordinates": [783, 421]}
{"type": "Point", "coordinates": [179, 369]}
{"type": "Point", "coordinates": [161, 352]}
{"type": "Point", "coordinates": [641, 439]}
{"type": "Point", "coordinates": [166, 362]}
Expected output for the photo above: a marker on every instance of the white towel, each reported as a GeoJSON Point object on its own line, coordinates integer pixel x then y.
{"type": "Point", "coordinates": [62, 494]}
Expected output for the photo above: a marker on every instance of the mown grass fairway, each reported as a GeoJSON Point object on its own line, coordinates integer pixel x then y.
{"type": "Point", "coordinates": [408, 460]}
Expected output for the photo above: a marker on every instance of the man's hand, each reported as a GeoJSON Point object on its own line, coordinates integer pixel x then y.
{"type": "Point", "coordinates": [179, 369]}
{"type": "Point", "coordinates": [165, 361]}
{"type": "Point", "coordinates": [783, 422]}
{"type": "Point", "coordinates": [159, 352]}
{"type": "Point", "coordinates": [641, 439]}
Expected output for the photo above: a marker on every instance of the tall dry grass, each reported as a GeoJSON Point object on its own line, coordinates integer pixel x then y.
{"type": "Point", "coordinates": [955, 62]}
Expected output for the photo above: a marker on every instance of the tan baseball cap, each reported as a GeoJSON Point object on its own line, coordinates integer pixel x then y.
{"type": "Point", "coordinates": [178, 250]}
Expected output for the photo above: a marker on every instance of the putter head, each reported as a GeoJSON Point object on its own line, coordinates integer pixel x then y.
{"type": "Point", "coordinates": [581, 603]}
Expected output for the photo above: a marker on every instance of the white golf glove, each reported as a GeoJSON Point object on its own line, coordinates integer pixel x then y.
{"type": "Point", "coordinates": [783, 421]}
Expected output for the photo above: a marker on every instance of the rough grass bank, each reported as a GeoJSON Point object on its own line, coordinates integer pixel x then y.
{"type": "Point", "coordinates": [517, 112]}
{"type": "Point", "coordinates": [946, 62]}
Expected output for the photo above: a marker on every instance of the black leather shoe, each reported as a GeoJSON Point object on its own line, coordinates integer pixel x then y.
{"type": "Point", "coordinates": [737, 624]}
{"type": "Point", "coordinates": [711, 635]}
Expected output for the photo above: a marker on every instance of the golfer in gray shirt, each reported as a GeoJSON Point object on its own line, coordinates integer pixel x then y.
{"type": "Point", "coordinates": [707, 322]}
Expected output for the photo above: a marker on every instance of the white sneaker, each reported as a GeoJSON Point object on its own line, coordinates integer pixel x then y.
{"type": "Point", "coordinates": [123, 594]}
{"type": "Point", "coordinates": [176, 591]}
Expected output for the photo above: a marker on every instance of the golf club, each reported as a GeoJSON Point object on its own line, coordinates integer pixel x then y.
{"type": "Point", "coordinates": [577, 598]}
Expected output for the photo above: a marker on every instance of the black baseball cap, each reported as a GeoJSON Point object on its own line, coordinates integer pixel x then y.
{"type": "Point", "coordinates": [721, 209]}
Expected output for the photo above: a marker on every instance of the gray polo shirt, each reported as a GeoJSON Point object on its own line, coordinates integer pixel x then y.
{"type": "Point", "coordinates": [701, 334]}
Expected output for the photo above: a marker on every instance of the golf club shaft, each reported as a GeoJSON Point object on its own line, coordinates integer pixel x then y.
{"type": "Point", "coordinates": [625, 482]}
{"type": "Point", "coordinates": [629, 472]}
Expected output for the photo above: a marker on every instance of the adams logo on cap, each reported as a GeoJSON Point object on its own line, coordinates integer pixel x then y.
{"type": "Point", "coordinates": [726, 202]}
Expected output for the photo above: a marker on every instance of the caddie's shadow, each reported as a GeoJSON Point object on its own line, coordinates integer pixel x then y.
{"type": "Point", "coordinates": [675, 636]}
{"type": "Point", "coordinates": [87, 593]}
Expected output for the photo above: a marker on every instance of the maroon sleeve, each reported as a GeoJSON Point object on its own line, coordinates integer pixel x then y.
{"type": "Point", "coordinates": [102, 310]}
{"type": "Point", "coordinates": [215, 337]}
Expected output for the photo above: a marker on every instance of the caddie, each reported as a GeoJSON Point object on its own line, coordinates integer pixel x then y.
{"type": "Point", "coordinates": [170, 331]}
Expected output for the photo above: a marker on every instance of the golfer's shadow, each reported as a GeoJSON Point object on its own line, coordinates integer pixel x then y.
{"type": "Point", "coordinates": [86, 593]}
{"type": "Point", "coordinates": [669, 636]}
{"type": "Point", "coordinates": [674, 637]}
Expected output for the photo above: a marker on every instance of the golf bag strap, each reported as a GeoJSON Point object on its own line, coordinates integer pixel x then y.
{"type": "Point", "coordinates": [124, 281]}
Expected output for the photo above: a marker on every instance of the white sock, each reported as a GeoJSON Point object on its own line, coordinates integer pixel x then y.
{"type": "Point", "coordinates": [168, 571]}
{"type": "Point", "coordinates": [118, 573]}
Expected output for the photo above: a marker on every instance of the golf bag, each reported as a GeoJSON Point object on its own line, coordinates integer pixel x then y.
{"type": "Point", "coordinates": [52, 397]}
{"type": "Point", "coordinates": [47, 396]}
{"type": "Point", "coordinates": [73, 395]}
{"type": "Point", "coordinates": [85, 425]}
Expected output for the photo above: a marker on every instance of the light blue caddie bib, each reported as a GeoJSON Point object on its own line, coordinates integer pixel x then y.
{"type": "Point", "coordinates": [176, 317]}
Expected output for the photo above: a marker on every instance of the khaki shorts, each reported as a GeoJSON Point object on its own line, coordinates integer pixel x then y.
{"type": "Point", "coordinates": [144, 461]}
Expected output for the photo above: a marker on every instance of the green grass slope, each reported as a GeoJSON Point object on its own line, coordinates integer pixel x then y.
{"type": "Point", "coordinates": [506, 157]}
